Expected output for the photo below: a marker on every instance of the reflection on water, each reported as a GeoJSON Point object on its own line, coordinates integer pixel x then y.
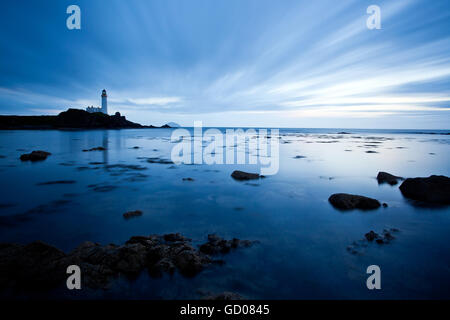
{"type": "Point", "coordinates": [303, 240]}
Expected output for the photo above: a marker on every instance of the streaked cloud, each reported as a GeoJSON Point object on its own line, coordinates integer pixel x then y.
{"type": "Point", "coordinates": [289, 63]}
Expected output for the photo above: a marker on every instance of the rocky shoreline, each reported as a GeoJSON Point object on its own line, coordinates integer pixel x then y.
{"type": "Point", "coordinates": [70, 119]}
{"type": "Point", "coordinates": [39, 266]}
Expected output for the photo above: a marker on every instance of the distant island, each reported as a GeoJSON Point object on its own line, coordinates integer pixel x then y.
{"type": "Point", "coordinates": [71, 119]}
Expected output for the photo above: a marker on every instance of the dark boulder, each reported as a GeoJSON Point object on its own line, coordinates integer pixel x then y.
{"type": "Point", "coordinates": [132, 214]}
{"type": "Point", "coordinates": [384, 177]}
{"type": "Point", "coordinates": [241, 175]}
{"type": "Point", "coordinates": [35, 156]}
{"type": "Point", "coordinates": [434, 189]}
{"type": "Point", "coordinates": [346, 201]}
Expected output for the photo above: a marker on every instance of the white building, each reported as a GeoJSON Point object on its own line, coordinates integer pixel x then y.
{"type": "Point", "coordinates": [104, 108]}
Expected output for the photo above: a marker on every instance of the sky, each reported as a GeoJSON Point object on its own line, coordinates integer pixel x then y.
{"type": "Point", "coordinates": [243, 63]}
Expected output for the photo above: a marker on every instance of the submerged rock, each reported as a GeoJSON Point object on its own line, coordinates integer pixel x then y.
{"type": "Point", "coordinates": [370, 236]}
{"type": "Point", "coordinates": [434, 189]}
{"type": "Point", "coordinates": [358, 247]}
{"type": "Point", "coordinates": [384, 177]}
{"type": "Point", "coordinates": [95, 149]}
{"type": "Point", "coordinates": [132, 214]}
{"type": "Point", "coordinates": [386, 238]}
{"type": "Point", "coordinates": [56, 182]}
{"type": "Point", "coordinates": [346, 201]}
{"type": "Point", "coordinates": [159, 160]}
{"type": "Point", "coordinates": [241, 175]}
{"type": "Point", "coordinates": [35, 156]}
{"type": "Point", "coordinates": [217, 245]}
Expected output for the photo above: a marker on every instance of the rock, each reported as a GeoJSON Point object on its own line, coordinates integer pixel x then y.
{"type": "Point", "coordinates": [357, 247]}
{"type": "Point", "coordinates": [56, 182]}
{"type": "Point", "coordinates": [173, 237]}
{"type": "Point", "coordinates": [217, 245]}
{"type": "Point", "coordinates": [35, 156]}
{"type": "Point", "coordinates": [388, 236]}
{"type": "Point", "coordinates": [224, 296]}
{"type": "Point", "coordinates": [346, 201]}
{"type": "Point", "coordinates": [41, 266]}
{"type": "Point", "coordinates": [370, 236]}
{"type": "Point", "coordinates": [163, 265]}
{"type": "Point", "coordinates": [433, 190]}
{"type": "Point", "coordinates": [384, 177]}
{"type": "Point", "coordinates": [188, 179]}
{"type": "Point", "coordinates": [95, 149]}
{"type": "Point", "coordinates": [241, 175]}
{"type": "Point", "coordinates": [34, 266]}
{"type": "Point", "coordinates": [132, 214]}
{"type": "Point", "coordinates": [189, 262]}
{"type": "Point", "coordinates": [385, 205]}
{"type": "Point", "coordinates": [159, 160]}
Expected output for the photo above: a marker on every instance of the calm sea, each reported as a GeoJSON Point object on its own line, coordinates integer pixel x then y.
{"type": "Point", "coordinates": [302, 252]}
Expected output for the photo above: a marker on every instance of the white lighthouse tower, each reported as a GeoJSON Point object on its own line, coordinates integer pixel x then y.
{"type": "Point", "coordinates": [104, 102]}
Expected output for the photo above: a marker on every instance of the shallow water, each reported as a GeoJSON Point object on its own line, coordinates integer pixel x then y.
{"type": "Point", "coordinates": [302, 252]}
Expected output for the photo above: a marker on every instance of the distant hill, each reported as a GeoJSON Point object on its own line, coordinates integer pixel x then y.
{"type": "Point", "coordinates": [70, 119]}
{"type": "Point", "coordinates": [173, 125]}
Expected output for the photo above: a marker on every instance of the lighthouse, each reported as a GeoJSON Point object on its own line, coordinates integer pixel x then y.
{"type": "Point", "coordinates": [104, 102]}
